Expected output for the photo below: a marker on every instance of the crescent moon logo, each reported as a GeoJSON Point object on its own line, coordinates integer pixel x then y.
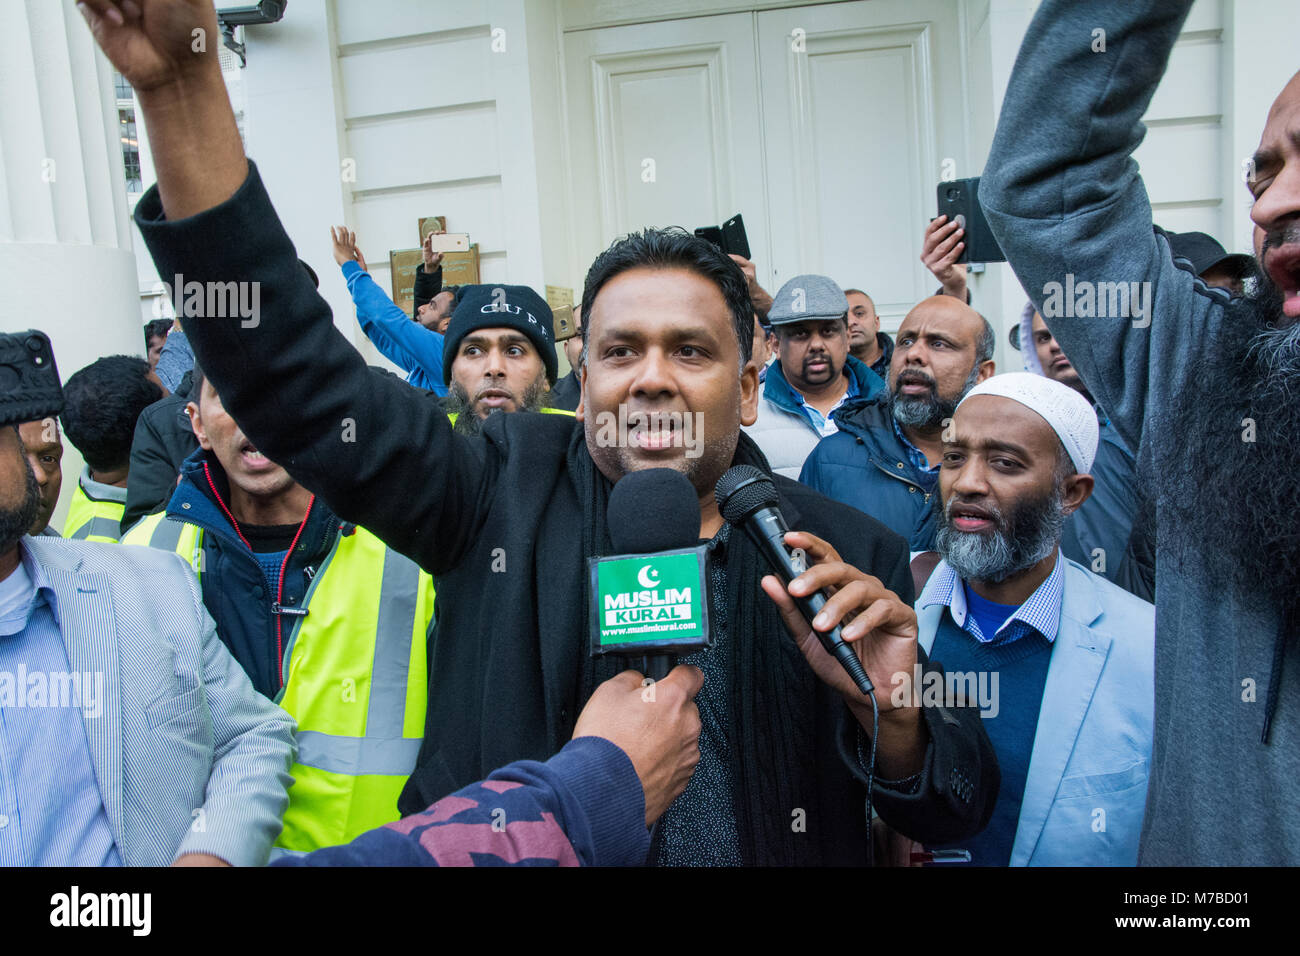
{"type": "Point", "coordinates": [648, 577]}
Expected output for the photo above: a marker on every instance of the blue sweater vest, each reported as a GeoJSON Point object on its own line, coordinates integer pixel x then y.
{"type": "Point", "coordinates": [1021, 669]}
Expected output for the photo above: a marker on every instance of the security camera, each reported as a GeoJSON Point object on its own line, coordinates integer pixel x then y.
{"type": "Point", "coordinates": [266, 11]}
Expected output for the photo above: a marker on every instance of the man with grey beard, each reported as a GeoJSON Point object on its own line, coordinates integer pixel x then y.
{"type": "Point", "coordinates": [1060, 659]}
{"type": "Point", "coordinates": [1204, 385]}
{"type": "Point", "coordinates": [885, 459]}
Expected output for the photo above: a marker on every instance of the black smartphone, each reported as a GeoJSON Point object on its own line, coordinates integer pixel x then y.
{"type": "Point", "coordinates": [713, 234]}
{"type": "Point", "coordinates": [734, 239]}
{"type": "Point", "coordinates": [29, 381]}
{"type": "Point", "coordinates": [730, 237]}
{"type": "Point", "coordinates": [959, 200]}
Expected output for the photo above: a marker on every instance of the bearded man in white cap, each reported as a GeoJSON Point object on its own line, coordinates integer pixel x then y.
{"type": "Point", "coordinates": [1062, 661]}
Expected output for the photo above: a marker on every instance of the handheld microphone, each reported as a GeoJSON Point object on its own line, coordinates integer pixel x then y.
{"type": "Point", "coordinates": [648, 600]}
{"type": "Point", "coordinates": [747, 497]}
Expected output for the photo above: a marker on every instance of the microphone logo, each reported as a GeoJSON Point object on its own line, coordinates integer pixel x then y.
{"type": "Point", "coordinates": [648, 577]}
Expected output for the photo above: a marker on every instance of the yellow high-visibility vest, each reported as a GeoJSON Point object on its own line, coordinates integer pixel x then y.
{"type": "Point", "coordinates": [355, 680]}
{"type": "Point", "coordinates": [544, 411]}
{"type": "Point", "coordinates": [96, 511]}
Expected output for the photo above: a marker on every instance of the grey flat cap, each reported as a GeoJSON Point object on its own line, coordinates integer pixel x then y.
{"type": "Point", "coordinates": [808, 297]}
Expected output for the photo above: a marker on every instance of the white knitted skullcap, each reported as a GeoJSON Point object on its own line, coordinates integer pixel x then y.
{"type": "Point", "coordinates": [1071, 415]}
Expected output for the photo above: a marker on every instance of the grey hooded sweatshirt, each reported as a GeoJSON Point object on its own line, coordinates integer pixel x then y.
{"type": "Point", "coordinates": [1065, 201]}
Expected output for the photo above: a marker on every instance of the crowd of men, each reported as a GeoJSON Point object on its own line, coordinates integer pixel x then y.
{"type": "Point", "coordinates": [322, 614]}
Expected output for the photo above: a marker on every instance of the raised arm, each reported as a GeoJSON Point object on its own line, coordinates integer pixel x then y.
{"type": "Point", "coordinates": [262, 334]}
{"type": "Point", "coordinates": [1063, 196]}
{"type": "Point", "coordinates": [428, 274]}
{"type": "Point", "coordinates": [403, 341]}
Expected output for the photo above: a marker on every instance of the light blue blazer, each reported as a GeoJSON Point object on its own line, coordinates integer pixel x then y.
{"type": "Point", "coordinates": [1087, 781]}
{"type": "Point", "coordinates": [189, 758]}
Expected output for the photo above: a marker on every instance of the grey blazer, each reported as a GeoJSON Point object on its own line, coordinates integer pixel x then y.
{"type": "Point", "coordinates": [189, 758]}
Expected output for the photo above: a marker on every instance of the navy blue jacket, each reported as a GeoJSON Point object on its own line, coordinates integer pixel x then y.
{"type": "Point", "coordinates": [1097, 534]}
{"type": "Point", "coordinates": [234, 587]}
{"type": "Point", "coordinates": [865, 465]}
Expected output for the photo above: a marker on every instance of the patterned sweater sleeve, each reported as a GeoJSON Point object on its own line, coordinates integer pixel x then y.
{"type": "Point", "coordinates": [583, 807]}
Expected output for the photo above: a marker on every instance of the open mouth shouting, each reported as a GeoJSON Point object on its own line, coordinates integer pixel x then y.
{"type": "Point", "coordinates": [252, 459]}
{"type": "Point", "coordinates": [1282, 263]}
{"type": "Point", "coordinates": [655, 431]}
{"type": "Point", "coordinates": [914, 383]}
{"type": "Point", "coordinates": [971, 518]}
{"type": "Point", "coordinates": [488, 398]}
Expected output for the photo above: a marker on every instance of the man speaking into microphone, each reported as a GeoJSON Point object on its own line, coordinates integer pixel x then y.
{"type": "Point", "coordinates": [506, 520]}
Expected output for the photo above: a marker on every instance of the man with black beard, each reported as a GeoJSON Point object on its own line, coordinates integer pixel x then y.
{"type": "Point", "coordinates": [1061, 660]}
{"type": "Point", "coordinates": [1204, 386]}
{"type": "Point", "coordinates": [885, 459]}
{"type": "Point", "coordinates": [498, 355]}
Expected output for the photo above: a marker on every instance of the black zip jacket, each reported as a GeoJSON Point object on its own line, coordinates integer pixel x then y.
{"type": "Point", "coordinates": [234, 588]}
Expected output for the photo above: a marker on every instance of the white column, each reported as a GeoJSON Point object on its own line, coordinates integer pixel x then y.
{"type": "Point", "coordinates": [65, 238]}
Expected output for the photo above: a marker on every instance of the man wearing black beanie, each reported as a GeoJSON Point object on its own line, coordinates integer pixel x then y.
{"type": "Point", "coordinates": [498, 354]}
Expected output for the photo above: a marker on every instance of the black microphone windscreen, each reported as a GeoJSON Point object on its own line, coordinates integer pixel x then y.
{"type": "Point", "coordinates": [743, 490]}
{"type": "Point", "coordinates": [653, 510]}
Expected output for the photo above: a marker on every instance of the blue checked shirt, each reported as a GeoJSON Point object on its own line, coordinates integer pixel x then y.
{"type": "Point", "coordinates": [914, 454]}
{"type": "Point", "coordinates": [1040, 614]}
{"type": "Point", "coordinates": [51, 811]}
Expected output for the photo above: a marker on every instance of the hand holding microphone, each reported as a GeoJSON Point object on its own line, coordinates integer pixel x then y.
{"type": "Point", "coordinates": [880, 629]}
{"type": "Point", "coordinates": [816, 597]}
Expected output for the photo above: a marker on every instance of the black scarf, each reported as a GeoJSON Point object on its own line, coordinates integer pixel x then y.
{"type": "Point", "coordinates": [772, 692]}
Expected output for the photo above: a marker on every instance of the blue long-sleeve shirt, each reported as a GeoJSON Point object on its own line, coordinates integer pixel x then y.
{"type": "Point", "coordinates": [402, 341]}
{"type": "Point", "coordinates": [583, 807]}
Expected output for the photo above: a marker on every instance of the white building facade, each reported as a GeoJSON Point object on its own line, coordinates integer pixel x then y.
{"type": "Point", "coordinates": [547, 128]}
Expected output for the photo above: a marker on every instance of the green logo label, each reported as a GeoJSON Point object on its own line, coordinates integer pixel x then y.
{"type": "Point", "coordinates": [649, 598]}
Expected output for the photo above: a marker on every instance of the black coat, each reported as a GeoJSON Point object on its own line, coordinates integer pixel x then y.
{"type": "Point", "coordinates": [163, 440]}
{"type": "Point", "coordinates": [497, 519]}
{"type": "Point", "coordinates": [566, 393]}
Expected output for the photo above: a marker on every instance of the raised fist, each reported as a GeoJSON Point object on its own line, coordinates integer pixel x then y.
{"type": "Point", "coordinates": [154, 43]}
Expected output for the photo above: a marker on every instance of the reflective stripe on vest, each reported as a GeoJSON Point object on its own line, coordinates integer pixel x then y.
{"type": "Point", "coordinates": [545, 411]}
{"type": "Point", "coordinates": [168, 534]}
{"type": "Point", "coordinates": [91, 520]}
{"type": "Point", "coordinates": [356, 681]}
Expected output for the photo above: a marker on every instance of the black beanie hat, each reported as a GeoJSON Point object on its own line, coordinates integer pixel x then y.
{"type": "Point", "coordinates": [501, 307]}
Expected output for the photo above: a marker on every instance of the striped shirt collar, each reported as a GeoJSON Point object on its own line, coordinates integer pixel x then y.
{"type": "Point", "coordinates": [39, 590]}
{"type": "Point", "coordinates": [1041, 613]}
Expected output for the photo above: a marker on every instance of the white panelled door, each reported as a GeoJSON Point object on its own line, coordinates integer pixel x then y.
{"type": "Point", "coordinates": [830, 140]}
{"type": "Point", "coordinates": [855, 96]}
{"type": "Point", "coordinates": [665, 130]}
